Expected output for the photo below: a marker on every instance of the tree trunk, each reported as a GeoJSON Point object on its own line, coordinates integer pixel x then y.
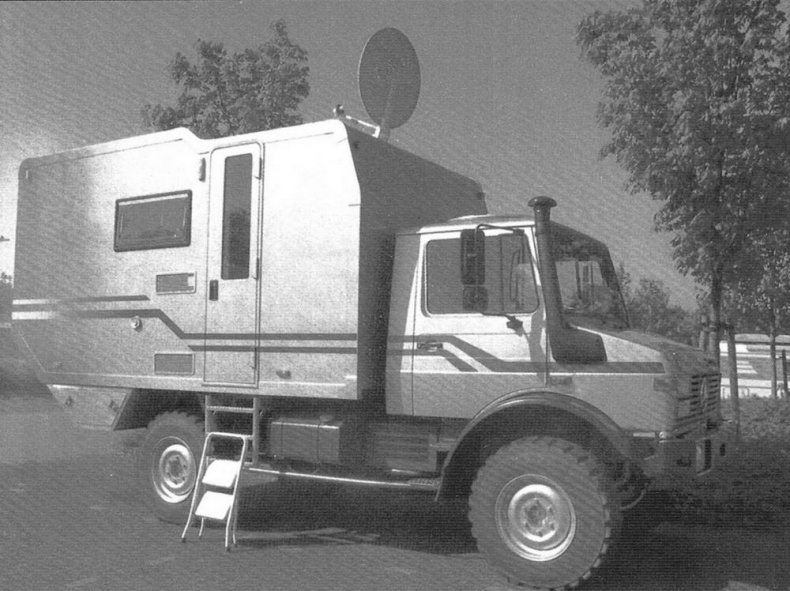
{"type": "Point", "coordinates": [772, 346]}
{"type": "Point", "coordinates": [715, 321]}
{"type": "Point", "coordinates": [732, 362]}
{"type": "Point", "coordinates": [703, 334]}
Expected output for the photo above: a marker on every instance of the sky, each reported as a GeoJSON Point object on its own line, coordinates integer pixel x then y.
{"type": "Point", "coordinates": [505, 97]}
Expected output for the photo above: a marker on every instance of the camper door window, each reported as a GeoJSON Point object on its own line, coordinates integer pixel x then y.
{"type": "Point", "coordinates": [153, 221]}
{"type": "Point", "coordinates": [236, 217]}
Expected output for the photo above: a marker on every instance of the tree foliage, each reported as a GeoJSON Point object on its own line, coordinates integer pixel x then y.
{"type": "Point", "coordinates": [697, 101]}
{"type": "Point", "coordinates": [649, 309]}
{"type": "Point", "coordinates": [760, 297]}
{"type": "Point", "coordinates": [224, 95]}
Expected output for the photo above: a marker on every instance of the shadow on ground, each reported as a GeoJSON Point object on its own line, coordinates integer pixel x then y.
{"type": "Point", "coordinates": [673, 556]}
{"type": "Point", "coordinates": [305, 513]}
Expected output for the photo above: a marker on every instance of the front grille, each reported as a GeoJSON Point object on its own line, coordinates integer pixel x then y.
{"type": "Point", "coordinates": [702, 401]}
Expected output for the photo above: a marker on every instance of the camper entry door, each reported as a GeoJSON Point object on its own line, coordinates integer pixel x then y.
{"type": "Point", "coordinates": [232, 270]}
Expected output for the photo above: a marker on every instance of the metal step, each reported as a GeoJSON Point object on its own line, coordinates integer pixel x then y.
{"type": "Point", "coordinates": [215, 505]}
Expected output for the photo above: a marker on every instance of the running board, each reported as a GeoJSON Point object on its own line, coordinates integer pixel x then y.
{"type": "Point", "coordinates": [413, 484]}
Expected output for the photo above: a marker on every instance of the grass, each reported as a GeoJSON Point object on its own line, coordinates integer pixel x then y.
{"type": "Point", "coordinates": [753, 486]}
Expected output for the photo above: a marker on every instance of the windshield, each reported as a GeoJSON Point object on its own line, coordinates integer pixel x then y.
{"type": "Point", "coordinates": [588, 283]}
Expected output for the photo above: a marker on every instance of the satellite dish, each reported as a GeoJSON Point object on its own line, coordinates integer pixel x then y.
{"type": "Point", "coordinates": [389, 79]}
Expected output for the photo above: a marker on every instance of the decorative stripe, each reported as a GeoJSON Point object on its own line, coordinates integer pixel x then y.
{"type": "Point", "coordinates": [48, 304]}
{"type": "Point", "coordinates": [60, 308]}
{"type": "Point", "coordinates": [496, 365]}
{"type": "Point", "coordinates": [284, 349]}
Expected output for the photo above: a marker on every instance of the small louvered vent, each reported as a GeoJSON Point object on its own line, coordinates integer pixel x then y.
{"type": "Point", "coordinates": [402, 447]}
{"type": "Point", "coordinates": [174, 363]}
{"type": "Point", "coordinates": [176, 283]}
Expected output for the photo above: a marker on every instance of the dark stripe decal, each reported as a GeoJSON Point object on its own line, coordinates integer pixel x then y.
{"type": "Point", "coordinates": [262, 349]}
{"type": "Point", "coordinates": [279, 336]}
{"type": "Point", "coordinates": [496, 365]}
{"type": "Point", "coordinates": [149, 313]}
{"type": "Point", "coordinates": [47, 306]}
{"type": "Point", "coordinates": [63, 308]}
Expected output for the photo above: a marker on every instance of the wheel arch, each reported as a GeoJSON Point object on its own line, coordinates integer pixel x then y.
{"type": "Point", "coordinates": [525, 414]}
{"type": "Point", "coordinates": [142, 406]}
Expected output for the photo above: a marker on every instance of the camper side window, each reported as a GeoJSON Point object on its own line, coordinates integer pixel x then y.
{"type": "Point", "coordinates": [153, 221]}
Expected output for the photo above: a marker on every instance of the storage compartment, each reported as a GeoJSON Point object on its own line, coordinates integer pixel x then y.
{"type": "Point", "coordinates": [323, 439]}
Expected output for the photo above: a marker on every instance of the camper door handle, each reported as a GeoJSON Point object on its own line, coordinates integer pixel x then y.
{"type": "Point", "coordinates": [213, 290]}
{"type": "Point", "coordinates": [430, 346]}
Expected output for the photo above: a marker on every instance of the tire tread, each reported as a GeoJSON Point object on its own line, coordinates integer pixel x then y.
{"type": "Point", "coordinates": [504, 463]}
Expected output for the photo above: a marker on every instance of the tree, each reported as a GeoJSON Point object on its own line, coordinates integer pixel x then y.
{"type": "Point", "coordinates": [696, 99]}
{"type": "Point", "coordinates": [760, 299]}
{"type": "Point", "coordinates": [225, 95]}
{"type": "Point", "coordinates": [649, 309]}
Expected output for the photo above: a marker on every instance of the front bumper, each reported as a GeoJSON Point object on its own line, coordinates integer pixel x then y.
{"type": "Point", "coordinates": [690, 457]}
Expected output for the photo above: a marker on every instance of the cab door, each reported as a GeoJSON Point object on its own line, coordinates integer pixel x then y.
{"type": "Point", "coordinates": [232, 270]}
{"type": "Point", "coordinates": [475, 343]}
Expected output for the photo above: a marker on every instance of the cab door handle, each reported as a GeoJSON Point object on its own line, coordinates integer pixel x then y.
{"type": "Point", "coordinates": [430, 346]}
{"type": "Point", "coordinates": [213, 290]}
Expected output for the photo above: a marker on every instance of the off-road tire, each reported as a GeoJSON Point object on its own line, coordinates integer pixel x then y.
{"type": "Point", "coordinates": [544, 512]}
{"type": "Point", "coordinates": [168, 462]}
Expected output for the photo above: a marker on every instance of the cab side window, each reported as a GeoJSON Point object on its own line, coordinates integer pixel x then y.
{"type": "Point", "coordinates": [509, 279]}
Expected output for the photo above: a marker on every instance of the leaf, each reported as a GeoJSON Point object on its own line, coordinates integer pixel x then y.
{"type": "Point", "coordinates": [255, 89]}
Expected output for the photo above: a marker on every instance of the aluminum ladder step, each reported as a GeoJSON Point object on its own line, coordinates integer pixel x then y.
{"type": "Point", "coordinates": [214, 505]}
{"type": "Point", "coordinates": [217, 486]}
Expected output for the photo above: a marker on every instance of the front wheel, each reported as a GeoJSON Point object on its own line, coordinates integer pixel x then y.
{"type": "Point", "coordinates": [168, 464]}
{"type": "Point", "coordinates": [543, 512]}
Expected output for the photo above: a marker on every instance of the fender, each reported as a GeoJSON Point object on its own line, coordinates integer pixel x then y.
{"type": "Point", "coordinates": [543, 398]}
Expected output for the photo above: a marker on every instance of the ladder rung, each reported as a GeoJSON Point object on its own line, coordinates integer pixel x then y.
{"type": "Point", "coordinates": [247, 410]}
{"type": "Point", "coordinates": [214, 505]}
{"type": "Point", "coordinates": [221, 473]}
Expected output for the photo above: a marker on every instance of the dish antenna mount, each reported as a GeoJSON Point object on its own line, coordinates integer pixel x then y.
{"type": "Point", "coordinates": [389, 81]}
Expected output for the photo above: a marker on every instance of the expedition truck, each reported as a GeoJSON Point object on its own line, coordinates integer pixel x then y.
{"type": "Point", "coordinates": [354, 311]}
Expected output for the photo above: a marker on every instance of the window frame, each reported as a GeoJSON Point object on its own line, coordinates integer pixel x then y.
{"type": "Point", "coordinates": [450, 236]}
{"type": "Point", "coordinates": [186, 240]}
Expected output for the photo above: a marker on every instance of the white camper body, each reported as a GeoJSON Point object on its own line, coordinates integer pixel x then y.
{"type": "Point", "coordinates": [255, 264]}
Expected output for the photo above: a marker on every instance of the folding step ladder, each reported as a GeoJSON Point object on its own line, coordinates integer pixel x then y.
{"type": "Point", "coordinates": [217, 487]}
{"type": "Point", "coordinates": [217, 484]}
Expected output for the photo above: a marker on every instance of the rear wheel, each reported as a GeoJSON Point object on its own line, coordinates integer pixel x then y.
{"type": "Point", "coordinates": [543, 512]}
{"type": "Point", "coordinates": [168, 464]}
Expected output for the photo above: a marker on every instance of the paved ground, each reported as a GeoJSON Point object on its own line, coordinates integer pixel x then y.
{"type": "Point", "coordinates": [70, 518]}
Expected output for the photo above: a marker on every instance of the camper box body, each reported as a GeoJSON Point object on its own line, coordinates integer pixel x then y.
{"type": "Point", "coordinates": [256, 264]}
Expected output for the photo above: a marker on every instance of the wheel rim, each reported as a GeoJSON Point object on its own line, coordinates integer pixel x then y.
{"type": "Point", "coordinates": [173, 470]}
{"type": "Point", "coordinates": [535, 517]}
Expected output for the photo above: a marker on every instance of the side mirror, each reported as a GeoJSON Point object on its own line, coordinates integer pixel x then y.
{"type": "Point", "coordinates": [475, 298]}
{"type": "Point", "coordinates": [473, 257]}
